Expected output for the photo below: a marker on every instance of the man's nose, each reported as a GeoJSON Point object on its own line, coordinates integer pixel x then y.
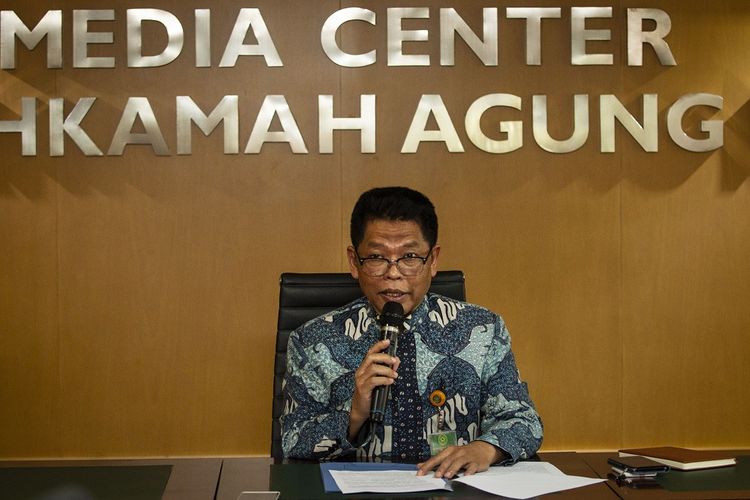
{"type": "Point", "coordinates": [393, 271]}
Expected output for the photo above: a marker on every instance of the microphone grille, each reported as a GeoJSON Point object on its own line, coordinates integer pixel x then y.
{"type": "Point", "coordinates": [393, 314]}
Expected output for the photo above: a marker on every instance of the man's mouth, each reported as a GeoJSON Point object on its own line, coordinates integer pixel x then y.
{"type": "Point", "coordinates": [393, 294]}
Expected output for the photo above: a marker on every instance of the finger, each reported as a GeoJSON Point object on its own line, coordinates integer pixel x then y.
{"type": "Point", "coordinates": [377, 381]}
{"type": "Point", "coordinates": [471, 468]}
{"type": "Point", "coordinates": [396, 364]}
{"type": "Point", "coordinates": [444, 470]}
{"type": "Point", "coordinates": [425, 467]}
{"type": "Point", "coordinates": [438, 461]}
{"type": "Point", "coordinates": [381, 359]}
{"type": "Point", "coordinates": [375, 358]}
{"type": "Point", "coordinates": [373, 375]}
{"type": "Point", "coordinates": [377, 363]}
{"type": "Point", "coordinates": [367, 371]}
{"type": "Point", "coordinates": [450, 467]}
{"type": "Point", "coordinates": [379, 346]}
{"type": "Point", "coordinates": [380, 370]}
{"type": "Point", "coordinates": [365, 374]}
{"type": "Point", "coordinates": [454, 460]}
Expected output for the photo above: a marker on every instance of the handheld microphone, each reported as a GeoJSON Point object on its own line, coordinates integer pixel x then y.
{"type": "Point", "coordinates": [391, 323]}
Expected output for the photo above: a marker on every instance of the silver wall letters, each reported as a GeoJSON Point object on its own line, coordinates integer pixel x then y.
{"type": "Point", "coordinates": [410, 38]}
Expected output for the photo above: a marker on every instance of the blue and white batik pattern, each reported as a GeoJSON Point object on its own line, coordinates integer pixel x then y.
{"type": "Point", "coordinates": [461, 349]}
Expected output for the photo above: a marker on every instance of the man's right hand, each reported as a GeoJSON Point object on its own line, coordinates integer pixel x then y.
{"type": "Point", "coordinates": [378, 368]}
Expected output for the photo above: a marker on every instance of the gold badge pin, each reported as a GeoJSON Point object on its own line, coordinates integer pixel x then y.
{"type": "Point", "coordinates": [437, 398]}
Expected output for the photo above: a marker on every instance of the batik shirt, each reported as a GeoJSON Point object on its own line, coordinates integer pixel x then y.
{"type": "Point", "coordinates": [458, 348]}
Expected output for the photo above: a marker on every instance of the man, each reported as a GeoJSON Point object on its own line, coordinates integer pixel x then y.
{"type": "Point", "coordinates": [455, 391]}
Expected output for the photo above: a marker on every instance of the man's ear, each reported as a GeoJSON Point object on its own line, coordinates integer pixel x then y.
{"type": "Point", "coordinates": [433, 262]}
{"type": "Point", "coordinates": [352, 258]}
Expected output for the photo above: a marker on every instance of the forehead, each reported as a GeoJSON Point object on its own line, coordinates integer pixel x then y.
{"type": "Point", "coordinates": [393, 233]}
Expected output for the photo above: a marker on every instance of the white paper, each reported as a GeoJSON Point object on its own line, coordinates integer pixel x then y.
{"type": "Point", "coordinates": [525, 480]}
{"type": "Point", "coordinates": [520, 481]}
{"type": "Point", "coordinates": [386, 481]}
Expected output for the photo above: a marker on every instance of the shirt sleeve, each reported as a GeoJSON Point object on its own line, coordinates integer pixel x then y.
{"type": "Point", "coordinates": [508, 417]}
{"type": "Point", "coordinates": [317, 401]}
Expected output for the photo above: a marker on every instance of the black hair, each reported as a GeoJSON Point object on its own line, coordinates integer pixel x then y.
{"type": "Point", "coordinates": [395, 204]}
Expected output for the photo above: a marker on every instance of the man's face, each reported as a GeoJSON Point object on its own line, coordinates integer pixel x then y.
{"type": "Point", "coordinates": [393, 240]}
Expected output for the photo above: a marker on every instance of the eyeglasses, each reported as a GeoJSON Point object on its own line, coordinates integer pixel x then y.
{"type": "Point", "coordinates": [408, 265]}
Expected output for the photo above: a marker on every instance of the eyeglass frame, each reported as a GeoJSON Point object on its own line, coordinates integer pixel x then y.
{"type": "Point", "coordinates": [395, 262]}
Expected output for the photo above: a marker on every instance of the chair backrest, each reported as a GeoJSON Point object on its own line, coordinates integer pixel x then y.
{"type": "Point", "coordinates": [305, 296]}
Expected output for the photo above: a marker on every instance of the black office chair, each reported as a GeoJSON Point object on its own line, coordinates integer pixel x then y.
{"type": "Point", "coordinates": [303, 297]}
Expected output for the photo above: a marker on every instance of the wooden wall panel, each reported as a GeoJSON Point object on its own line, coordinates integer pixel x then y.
{"type": "Point", "coordinates": [138, 292]}
{"type": "Point", "coordinates": [686, 338]}
{"type": "Point", "coordinates": [29, 340]}
{"type": "Point", "coordinates": [685, 235]}
{"type": "Point", "coordinates": [170, 265]}
{"type": "Point", "coordinates": [29, 292]}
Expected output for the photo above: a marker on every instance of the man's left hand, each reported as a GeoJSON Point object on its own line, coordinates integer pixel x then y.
{"type": "Point", "coordinates": [476, 456]}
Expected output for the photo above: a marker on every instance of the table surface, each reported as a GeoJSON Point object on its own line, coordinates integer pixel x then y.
{"type": "Point", "coordinates": [190, 478]}
{"type": "Point", "coordinates": [226, 479]}
{"type": "Point", "coordinates": [719, 483]}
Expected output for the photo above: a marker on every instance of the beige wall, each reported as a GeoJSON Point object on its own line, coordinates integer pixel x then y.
{"type": "Point", "coordinates": [138, 293]}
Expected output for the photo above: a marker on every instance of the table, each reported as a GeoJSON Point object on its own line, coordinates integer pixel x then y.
{"type": "Point", "coordinates": [225, 479]}
{"type": "Point", "coordinates": [720, 483]}
{"type": "Point", "coordinates": [301, 480]}
{"type": "Point", "coordinates": [186, 478]}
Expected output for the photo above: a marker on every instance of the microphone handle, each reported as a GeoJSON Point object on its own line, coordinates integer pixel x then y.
{"type": "Point", "coordinates": [380, 394]}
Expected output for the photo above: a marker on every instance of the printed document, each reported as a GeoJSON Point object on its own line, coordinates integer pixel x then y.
{"type": "Point", "coordinates": [388, 481]}
{"type": "Point", "coordinates": [522, 480]}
